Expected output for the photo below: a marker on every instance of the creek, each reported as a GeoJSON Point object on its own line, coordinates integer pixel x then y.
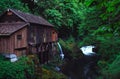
{"type": "Point", "coordinates": [84, 67]}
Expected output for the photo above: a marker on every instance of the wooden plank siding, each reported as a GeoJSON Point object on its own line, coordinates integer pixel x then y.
{"type": "Point", "coordinates": [54, 35]}
{"type": "Point", "coordinates": [36, 35]}
{"type": "Point", "coordinates": [49, 35]}
{"type": "Point", "coordinates": [40, 34]}
{"type": "Point", "coordinates": [4, 42]}
{"type": "Point", "coordinates": [21, 43]}
{"type": "Point", "coordinates": [12, 45]}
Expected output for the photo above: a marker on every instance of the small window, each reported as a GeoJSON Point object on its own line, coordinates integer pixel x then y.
{"type": "Point", "coordinates": [19, 37]}
{"type": "Point", "coordinates": [53, 32]}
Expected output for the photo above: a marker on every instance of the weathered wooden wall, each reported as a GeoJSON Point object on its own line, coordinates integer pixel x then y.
{"type": "Point", "coordinates": [11, 44]}
{"type": "Point", "coordinates": [35, 34]}
{"type": "Point", "coordinates": [4, 44]}
{"type": "Point", "coordinates": [41, 34]}
{"type": "Point", "coordinates": [42, 38]}
{"type": "Point", "coordinates": [21, 43]}
{"type": "Point", "coordinates": [54, 36]}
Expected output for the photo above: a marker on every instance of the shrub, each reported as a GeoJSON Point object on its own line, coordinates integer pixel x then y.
{"type": "Point", "coordinates": [51, 74]}
{"type": "Point", "coordinates": [112, 71]}
{"type": "Point", "coordinates": [16, 70]}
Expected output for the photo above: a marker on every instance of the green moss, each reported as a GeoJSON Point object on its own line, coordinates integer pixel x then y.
{"type": "Point", "coordinates": [51, 74]}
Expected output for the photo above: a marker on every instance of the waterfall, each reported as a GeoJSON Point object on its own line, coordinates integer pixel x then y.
{"type": "Point", "coordinates": [61, 51]}
{"type": "Point", "coordinates": [91, 60]}
{"type": "Point", "coordinates": [87, 50]}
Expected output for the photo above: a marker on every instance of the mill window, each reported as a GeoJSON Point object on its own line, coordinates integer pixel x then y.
{"type": "Point", "coordinates": [19, 37]}
{"type": "Point", "coordinates": [53, 32]}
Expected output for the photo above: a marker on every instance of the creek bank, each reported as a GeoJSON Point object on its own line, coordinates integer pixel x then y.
{"type": "Point", "coordinates": [84, 67]}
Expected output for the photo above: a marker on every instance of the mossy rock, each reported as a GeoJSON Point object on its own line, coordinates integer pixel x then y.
{"type": "Point", "coordinates": [51, 74]}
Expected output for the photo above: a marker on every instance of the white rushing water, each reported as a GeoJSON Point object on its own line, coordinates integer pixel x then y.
{"type": "Point", "coordinates": [61, 51]}
{"type": "Point", "coordinates": [87, 50]}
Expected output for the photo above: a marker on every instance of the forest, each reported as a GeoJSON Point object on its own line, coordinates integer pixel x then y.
{"type": "Point", "coordinates": [79, 23]}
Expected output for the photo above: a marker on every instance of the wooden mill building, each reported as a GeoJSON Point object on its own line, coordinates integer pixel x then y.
{"type": "Point", "coordinates": [23, 34]}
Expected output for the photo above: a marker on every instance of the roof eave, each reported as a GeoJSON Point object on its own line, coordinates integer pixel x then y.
{"type": "Point", "coordinates": [20, 28]}
{"type": "Point", "coordinates": [42, 24]}
{"type": "Point", "coordinates": [4, 34]}
{"type": "Point", "coordinates": [19, 15]}
{"type": "Point", "coordinates": [9, 34]}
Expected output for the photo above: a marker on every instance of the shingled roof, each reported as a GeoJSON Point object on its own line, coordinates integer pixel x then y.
{"type": "Point", "coordinates": [30, 18]}
{"type": "Point", "coordinates": [9, 28]}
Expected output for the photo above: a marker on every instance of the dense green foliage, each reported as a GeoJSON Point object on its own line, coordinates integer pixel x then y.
{"type": "Point", "coordinates": [14, 4]}
{"type": "Point", "coordinates": [112, 71]}
{"type": "Point", "coordinates": [48, 73]}
{"type": "Point", "coordinates": [16, 70]}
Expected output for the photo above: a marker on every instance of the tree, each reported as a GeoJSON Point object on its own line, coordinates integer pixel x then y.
{"type": "Point", "coordinates": [109, 14]}
{"type": "Point", "coordinates": [90, 21]}
{"type": "Point", "coordinates": [15, 4]}
{"type": "Point", "coordinates": [16, 70]}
